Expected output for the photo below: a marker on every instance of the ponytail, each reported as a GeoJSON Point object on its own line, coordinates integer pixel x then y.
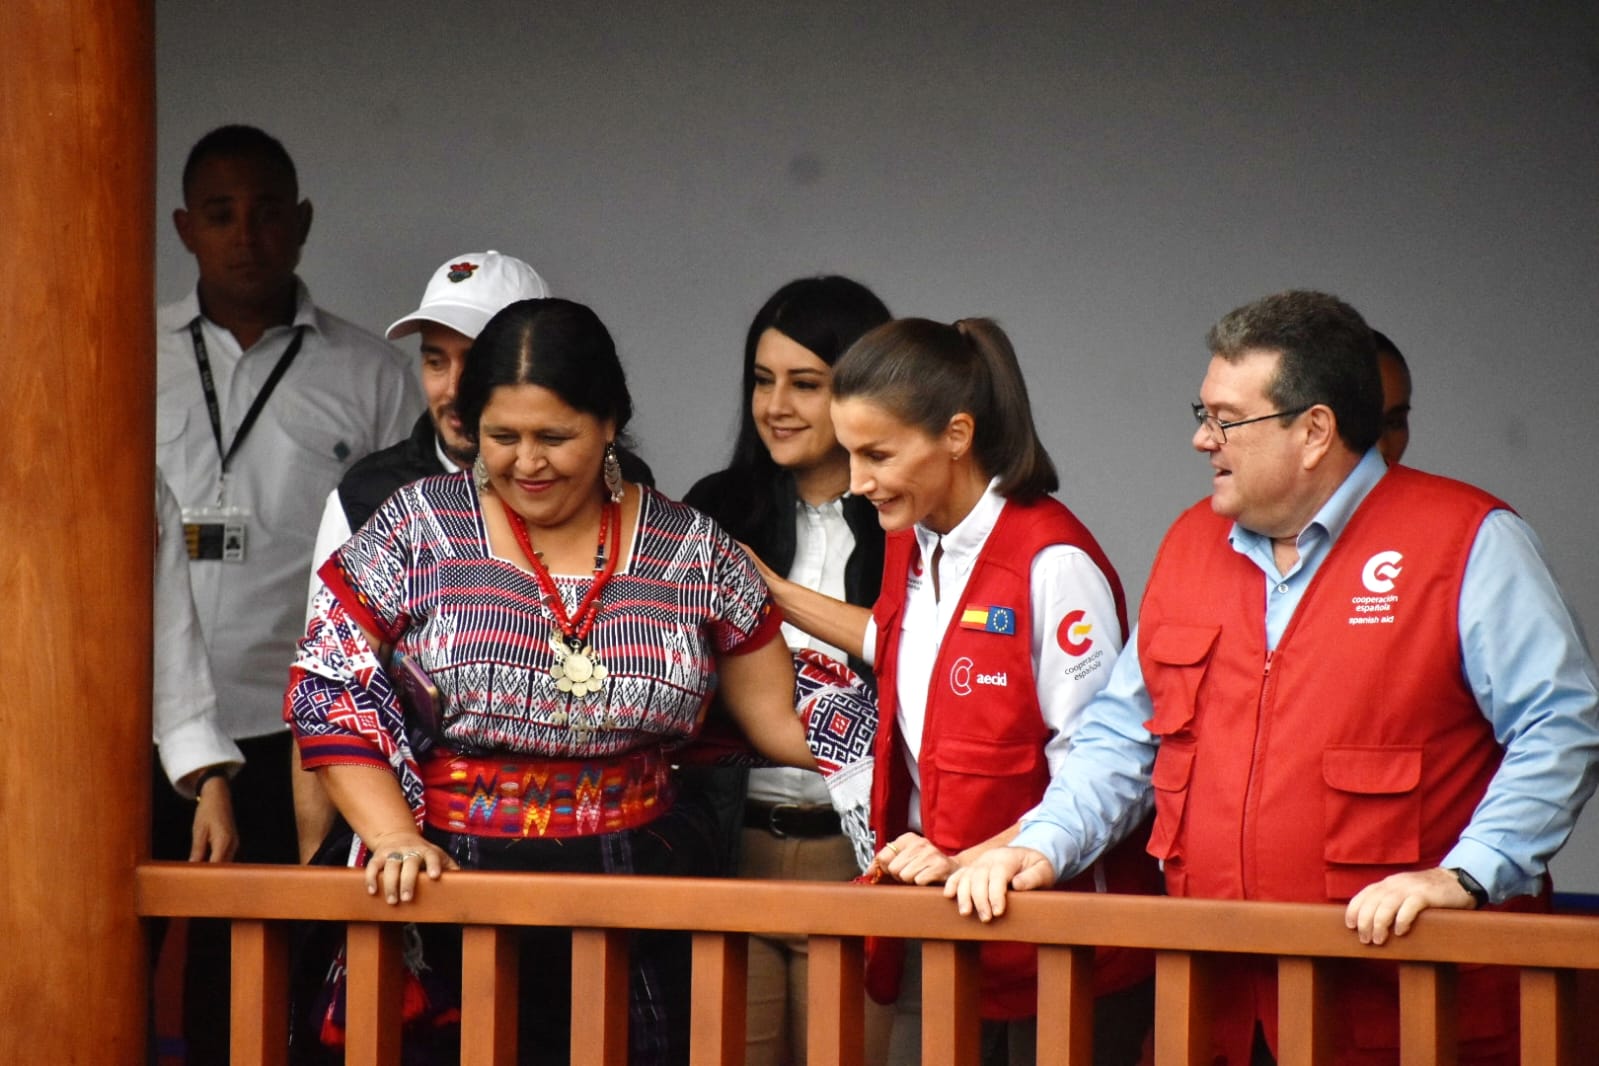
{"type": "Point", "coordinates": [926, 372]}
{"type": "Point", "coordinates": [1008, 444]}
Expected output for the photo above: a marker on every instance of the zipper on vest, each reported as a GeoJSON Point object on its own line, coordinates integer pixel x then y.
{"type": "Point", "coordinates": [1246, 845]}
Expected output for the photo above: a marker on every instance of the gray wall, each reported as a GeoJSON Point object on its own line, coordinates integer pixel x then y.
{"type": "Point", "coordinates": [1104, 180]}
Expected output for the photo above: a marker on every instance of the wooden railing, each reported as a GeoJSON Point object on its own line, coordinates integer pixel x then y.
{"type": "Point", "coordinates": [1558, 957]}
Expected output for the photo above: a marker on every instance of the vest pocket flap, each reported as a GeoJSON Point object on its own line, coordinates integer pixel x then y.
{"type": "Point", "coordinates": [1182, 645]}
{"type": "Point", "coordinates": [986, 757]}
{"type": "Point", "coordinates": [1173, 766]}
{"type": "Point", "coordinates": [1372, 771]}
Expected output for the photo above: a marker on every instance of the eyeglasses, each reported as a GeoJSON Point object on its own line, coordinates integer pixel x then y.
{"type": "Point", "coordinates": [1218, 429]}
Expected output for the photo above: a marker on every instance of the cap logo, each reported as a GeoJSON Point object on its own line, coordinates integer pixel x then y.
{"type": "Point", "coordinates": [461, 271]}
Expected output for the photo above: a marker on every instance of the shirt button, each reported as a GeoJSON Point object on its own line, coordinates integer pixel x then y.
{"type": "Point", "coordinates": [1283, 587]}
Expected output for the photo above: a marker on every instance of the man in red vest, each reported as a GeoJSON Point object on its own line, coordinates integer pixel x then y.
{"type": "Point", "coordinates": [1349, 682]}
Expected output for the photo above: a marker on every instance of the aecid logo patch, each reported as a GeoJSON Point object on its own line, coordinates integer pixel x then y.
{"type": "Point", "coordinates": [1379, 575]}
{"type": "Point", "coordinates": [961, 677]}
{"type": "Point", "coordinates": [1381, 570]}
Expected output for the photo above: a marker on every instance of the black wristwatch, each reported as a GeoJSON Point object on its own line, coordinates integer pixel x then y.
{"type": "Point", "coordinates": [210, 772]}
{"type": "Point", "coordinates": [1479, 895]}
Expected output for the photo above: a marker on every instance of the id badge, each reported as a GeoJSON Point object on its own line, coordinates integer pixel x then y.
{"type": "Point", "coordinates": [215, 533]}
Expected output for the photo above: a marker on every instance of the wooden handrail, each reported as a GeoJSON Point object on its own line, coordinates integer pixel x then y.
{"type": "Point", "coordinates": [777, 907]}
{"type": "Point", "coordinates": [1559, 957]}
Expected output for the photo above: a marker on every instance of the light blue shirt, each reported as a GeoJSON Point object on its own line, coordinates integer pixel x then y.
{"type": "Point", "coordinates": [1524, 658]}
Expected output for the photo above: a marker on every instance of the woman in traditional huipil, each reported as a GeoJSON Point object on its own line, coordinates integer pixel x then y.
{"type": "Point", "coordinates": [999, 618]}
{"type": "Point", "coordinates": [573, 625]}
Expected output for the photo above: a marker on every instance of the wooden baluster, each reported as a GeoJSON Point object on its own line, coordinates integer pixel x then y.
{"type": "Point", "coordinates": [721, 964]}
{"type": "Point", "coordinates": [260, 1007]}
{"type": "Point", "coordinates": [489, 980]}
{"type": "Point", "coordinates": [1548, 1017]}
{"type": "Point", "coordinates": [1304, 1013]}
{"type": "Point", "coordinates": [1065, 1006]}
{"type": "Point", "coordinates": [951, 1027]}
{"type": "Point", "coordinates": [1426, 1014]}
{"type": "Point", "coordinates": [372, 1000]}
{"type": "Point", "coordinates": [599, 997]}
{"type": "Point", "coordinates": [1183, 990]}
{"type": "Point", "coordinates": [835, 1002]}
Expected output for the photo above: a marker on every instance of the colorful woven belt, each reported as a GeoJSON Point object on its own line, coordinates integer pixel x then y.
{"type": "Point", "coordinates": [509, 797]}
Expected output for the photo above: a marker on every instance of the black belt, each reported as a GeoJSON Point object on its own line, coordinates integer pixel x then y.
{"type": "Point", "coordinates": [792, 819]}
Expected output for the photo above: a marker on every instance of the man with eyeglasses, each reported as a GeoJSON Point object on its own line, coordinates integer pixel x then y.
{"type": "Point", "coordinates": [1350, 683]}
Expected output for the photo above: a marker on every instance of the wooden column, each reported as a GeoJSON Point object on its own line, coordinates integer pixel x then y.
{"type": "Point", "coordinates": [77, 92]}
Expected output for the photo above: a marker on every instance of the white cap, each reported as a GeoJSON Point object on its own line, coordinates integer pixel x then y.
{"type": "Point", "coordinates": [470, 289]}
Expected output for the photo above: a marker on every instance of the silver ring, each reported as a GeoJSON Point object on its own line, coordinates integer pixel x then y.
{"type": "Point", "coordinates": [412, 854]}
{"type": "Point", "coordinates": [394, 856]}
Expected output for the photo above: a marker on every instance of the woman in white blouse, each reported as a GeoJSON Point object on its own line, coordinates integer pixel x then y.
{"type": "Point", "coordinates": [785, 496]}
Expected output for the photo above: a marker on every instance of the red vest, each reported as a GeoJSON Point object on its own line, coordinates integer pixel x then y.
{"type": "Point", "coordinates": [982, 758]}
{"type": "Point", "coordinates": [1352, 751]}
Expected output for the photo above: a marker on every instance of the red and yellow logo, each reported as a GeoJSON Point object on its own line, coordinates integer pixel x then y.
{"type": "Point", "coordinates": [1074, 633]}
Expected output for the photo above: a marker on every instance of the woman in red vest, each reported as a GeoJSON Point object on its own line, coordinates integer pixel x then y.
{"type": "Point", "coordinates": [999, 618]}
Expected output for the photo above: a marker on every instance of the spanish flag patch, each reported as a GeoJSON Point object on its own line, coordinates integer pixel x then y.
{"type": "Point", "coordinates": [990, 620]}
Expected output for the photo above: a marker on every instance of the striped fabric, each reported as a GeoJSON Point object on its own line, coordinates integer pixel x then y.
{"type": "Point", "coordinates": [420, 573]}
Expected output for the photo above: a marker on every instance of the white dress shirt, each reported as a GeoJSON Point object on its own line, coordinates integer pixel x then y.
{"type": "Point", "coordinates": [183, 699]}
{"type": "Point", "coordinates": [822, 546]}
{"type": "Point", "coordinates": [347, 393]}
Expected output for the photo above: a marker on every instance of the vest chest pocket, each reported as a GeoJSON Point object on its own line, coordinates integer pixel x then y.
{"type": "Point", "coordinates": [1174, 661]}
{"type": "Point", "coordinates": [1373, 812]}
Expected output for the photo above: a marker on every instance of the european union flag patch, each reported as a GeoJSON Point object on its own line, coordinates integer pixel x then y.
{"type": "Point", "coordinates": [990, 620]}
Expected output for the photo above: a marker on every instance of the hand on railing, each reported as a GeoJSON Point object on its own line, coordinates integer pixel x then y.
{"type": "Point", "coordinates": [215, 835]}
{"type": "Point", "coordinates": [911, 860]}
{"type": "Point", "coordinates": [398, 859]}
{"type": "Point", "coordinates": [1396, 900]}
{"type": "Point", "coordinates": [980, 888]}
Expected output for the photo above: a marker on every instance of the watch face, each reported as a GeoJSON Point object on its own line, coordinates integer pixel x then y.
{"type": "Point", "coordinates": [1474, 889]}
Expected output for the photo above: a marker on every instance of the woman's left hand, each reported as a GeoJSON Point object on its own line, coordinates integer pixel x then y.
{"type": "Point", "coordinates": [913, 861]}
{"type": "Point", "coordinates": [398, 859]}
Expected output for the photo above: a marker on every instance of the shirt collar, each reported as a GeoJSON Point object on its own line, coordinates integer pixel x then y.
{"type": "Point", "coordinates": [963, 542]}
{"type": "Point", "coordinates": [1329, 521]}
{"type": "Point", "coordinates": [835, 506]}
{"type": "Point", "coordinates": [450, 465]}
{"type": "Point", "coordinates": [188, 309]}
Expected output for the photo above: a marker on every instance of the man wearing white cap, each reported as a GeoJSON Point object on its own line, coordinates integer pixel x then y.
{"type": "Point", "coordinates": [463, 294]}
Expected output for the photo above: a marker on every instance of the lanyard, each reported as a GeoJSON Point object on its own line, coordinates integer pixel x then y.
{"type": "Point", "coordinates": [208, 384]}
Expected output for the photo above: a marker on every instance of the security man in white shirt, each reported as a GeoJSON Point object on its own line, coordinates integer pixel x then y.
{"type": "Point", "coordinates": [263, 401]}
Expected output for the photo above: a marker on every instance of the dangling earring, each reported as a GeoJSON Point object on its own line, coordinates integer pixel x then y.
{"type": "Point", "coordinates": [480, 473]}
{"type": "Point", "coordinates": [612, 472]}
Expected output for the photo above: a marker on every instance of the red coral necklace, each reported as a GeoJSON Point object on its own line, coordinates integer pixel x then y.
{"type": "Point", "coordinates": [577, 668]}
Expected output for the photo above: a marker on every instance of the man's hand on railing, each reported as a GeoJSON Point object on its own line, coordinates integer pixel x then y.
{"type": "Point", "coordinates": [397, 860]}
{"type": "Point", "coordinates": [981, 887]}
{"type": "Point", "coordinates": [912, 860]}
{"type": "Point", "coordinates": [1396, 900]}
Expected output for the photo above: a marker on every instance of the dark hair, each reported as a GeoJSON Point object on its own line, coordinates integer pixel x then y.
{"type": "Point", "coordinates": [556, 344]}
{"type": "Point", "coordinates": [754, 498]}
{"type": "Point", "coordinates": [232, 142]}
{"type": "Point", "coordinates": [1386, 346]}
{"type": "Point", "coordinates": [1328, 356]}
{"type": "Point", "coordinates": [926, 372]}
{"type": "Point", "coordinates": [824, 315]}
